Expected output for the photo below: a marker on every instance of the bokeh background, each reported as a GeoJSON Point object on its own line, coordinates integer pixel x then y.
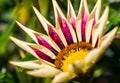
{"type": "Point", "coordinates": [107, 70]}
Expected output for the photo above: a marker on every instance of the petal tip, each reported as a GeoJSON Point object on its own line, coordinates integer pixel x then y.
{"type": "Point", "coordinates": [11, 62]}
{"type": "Point", "coordinates": [13, 39]}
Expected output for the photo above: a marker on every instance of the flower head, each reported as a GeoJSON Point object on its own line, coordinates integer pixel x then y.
{"type": "Point", "coordinates": [72, 47]}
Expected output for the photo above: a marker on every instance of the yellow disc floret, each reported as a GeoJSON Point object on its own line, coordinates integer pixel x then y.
{"type": "Point", "coordinates": [71, 54]}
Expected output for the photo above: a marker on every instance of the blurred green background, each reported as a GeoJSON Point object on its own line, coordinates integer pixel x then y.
{"type": "Point", "coordinates": [107, 70]}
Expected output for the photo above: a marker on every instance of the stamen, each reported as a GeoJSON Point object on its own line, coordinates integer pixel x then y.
{"type": "Point", "coordinates": [71, 54]}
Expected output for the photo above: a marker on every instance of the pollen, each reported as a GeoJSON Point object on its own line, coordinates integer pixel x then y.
{"type": "Point", "coordinates": [71, 54]}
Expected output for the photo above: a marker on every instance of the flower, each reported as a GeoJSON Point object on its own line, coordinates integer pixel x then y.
{"type": "Point", "coordinates": [72, 47]}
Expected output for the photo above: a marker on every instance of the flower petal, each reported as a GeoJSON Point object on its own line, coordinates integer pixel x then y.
{"type": "Point", "coordinates": [99, 28]}
{"type": "Point", "coordinates": [44, 42]}
{"type": "Point", "coordinates": [82, 17]}
{"type": "Point", "coordinates": [43, 53]}
{"type": "Point", "coordinates": [93, 18]}
{"type": "Point", "coordinates": [54, 35]}
{"type": "Point", "coordinates": [83, 8]}
{"type": "Point", "coordinates": [28, 64]}
{"type": "Point", "coordinates": [62, 77]}
{"type": "Point", "coordinates": [63, 26]}
{"type": "Point", "coordinates": [92, 57]}
{"type": "Point", "coordinates": [36, 50]}
{"type": "Point", "coordinates": [71, 15]}
{"type": "Point", "coordinates": [65, 30]}
{"type": "Point", "coordinates": [24, 45]}
{"type": "Point", "coordinates": [95, 54]}
{"type": "Point", "coordinates": [40, 38]}
{"type": "Point", "coordinates": [28, 31]}
{"type": "Point", "coordinates": [103, 21]}
{"type": "Point", "coordinates": [44, 72]}
{"type": "Point", "coordinates": [78, 66]}
{"type": "Point", "coordinates": [96, 10]}
{"type": "Point", "coordinates": [107, 39]}
{"type": "Point", "coordinates": [50, 30]}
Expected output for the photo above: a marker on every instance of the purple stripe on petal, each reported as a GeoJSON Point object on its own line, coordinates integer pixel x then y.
{"type": "Point", "coordinates": [65, 29]}
{"type": "Point", "coordinates": [90, 38]}
{"type": "Point", "coordinates": [55, 37]}
{"type": "Point", "coordinates": [94, 22]}
{"type": "Point", "coordinates": [43, 55]}
{"type": "Point", "coordinates": [43, 42]}
{"type": "Point", "coordinates": [96, 44]}
{"type": "Point", "coordinates": [83, 25]}
{"type": "Point", "coordinates": [73, 22]}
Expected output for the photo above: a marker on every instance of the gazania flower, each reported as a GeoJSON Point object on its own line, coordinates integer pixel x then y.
{"type": "Point", "coordinates": [72, 47]}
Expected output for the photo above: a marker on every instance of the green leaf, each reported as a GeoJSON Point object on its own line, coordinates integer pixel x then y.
{"type": "Point", "coordinates": [4, 39]}
{"type": "Point", "coordinates": [114, 19]}
{"type": "Point", "coordinates": [19, 69]}
{"type": "Point", "coordinates": [46, 80]}
{"type": "Point", "coordinates": [2, 76]}
{"type": "Point", "coordinates": [118, 30]}
{"type": "Point", "coordinates": [44, 5]}
{"type": "Point", "coordinates": [28, 57]}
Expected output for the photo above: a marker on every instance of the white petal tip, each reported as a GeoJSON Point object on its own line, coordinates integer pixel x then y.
{"type": "Point", "coordinates": [11, 62]}
{"type": "Point", "coordinates": [13, 39]}
{"type": "Point", "coordinates": [35, 9]}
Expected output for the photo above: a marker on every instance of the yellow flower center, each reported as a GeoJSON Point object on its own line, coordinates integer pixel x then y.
{"type": "Point", "coordinates": [71, 54]}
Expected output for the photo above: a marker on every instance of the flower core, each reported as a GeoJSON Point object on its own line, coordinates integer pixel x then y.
{"type": "Point", "coordinates": [72, 53]}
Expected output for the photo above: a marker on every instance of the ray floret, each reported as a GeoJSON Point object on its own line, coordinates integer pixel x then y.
{"type": "Point", "coordinates": [71, 47]}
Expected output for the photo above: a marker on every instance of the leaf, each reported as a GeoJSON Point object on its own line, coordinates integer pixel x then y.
{"type": "Point", "coordinates": [28, 57]}
{"type": "Point", "coordinates": [4, 39]}
{"type": "Point", "coordinates": [2, 76]}
{"type": "Point", "coordinates": [44, 5]}
{"type": "Point", "coordinates": [114, 19]}
{"type": "Point", "coordinates": [19, 69]}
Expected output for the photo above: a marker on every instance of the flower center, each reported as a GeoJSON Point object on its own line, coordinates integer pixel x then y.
{"type": "Point", "coordinates": [71, 54]}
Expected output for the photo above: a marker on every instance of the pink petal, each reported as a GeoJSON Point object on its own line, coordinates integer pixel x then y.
{"type": "Point", "coordinates": [43, 55]}
{"type": "Point", "coordinates": [81, 20]}
{"type": "Point", "coordinates": [65, 29]}
{"type": "Point", "coordinates": [73, 21]}
{"type": "Point", "coordinates": [71, 16]}
{"type": "Point", "coordinates": [55, 37]}
{"type": "Point", "coordinates": [83, 25]}
{"type": "Point", "coordinates": [43, 42]}
{"type": "Point", "coordinates": [99, 27]}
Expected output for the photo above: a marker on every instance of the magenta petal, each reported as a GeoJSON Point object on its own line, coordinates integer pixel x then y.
{"type": "Point", "coordinates": [43, 42]}
{"type": "Point", "coordinates": [83, 31]}
{"type": "Point", "coordinates": [55, 37]}
{"type": "Point", "coordinates": [83, 25]}
{"type": "Point", "coordinates": [65, 29]}
{"type": "Point", "coordinates": [43, 55]}
{"type": "Point", "coordinates": [73, 22]}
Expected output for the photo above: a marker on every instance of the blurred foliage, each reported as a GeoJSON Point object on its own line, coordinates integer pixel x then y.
{"type": "Point", "coordinates": [106, 70]}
